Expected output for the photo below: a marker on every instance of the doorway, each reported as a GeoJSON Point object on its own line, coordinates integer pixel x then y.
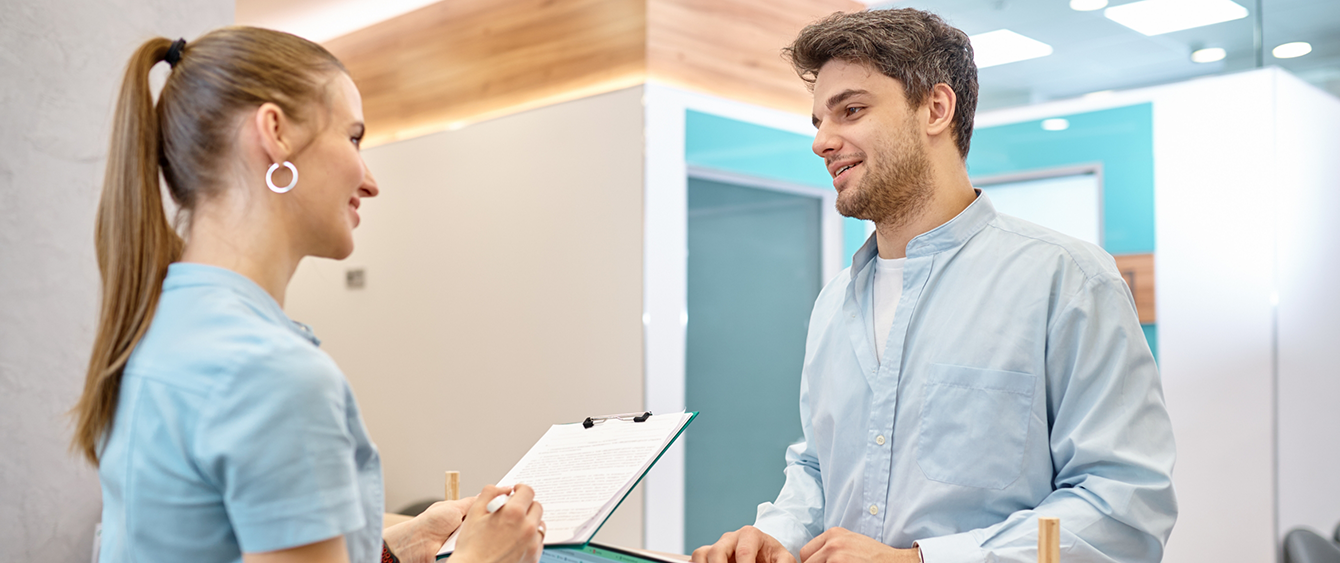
{"type": "Point", "coordinates": [755, 267]}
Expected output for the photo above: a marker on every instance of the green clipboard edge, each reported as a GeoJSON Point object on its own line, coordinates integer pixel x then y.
{"type": "Point", "coordinates": [692, 416]}
{"type": "Point", "coordinates": [623, 555]}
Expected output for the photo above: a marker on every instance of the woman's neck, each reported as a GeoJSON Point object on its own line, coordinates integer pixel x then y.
{"type": "Point", "coordinates": [246, 240]}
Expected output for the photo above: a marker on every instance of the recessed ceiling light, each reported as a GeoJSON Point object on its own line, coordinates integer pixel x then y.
{"type": "Point", "coordinates": [1087, 5]}
{"type": "Point", "coordinates": [1003, 46]}
{"type": "Point", "coordinates": [1291, 50]}
{"type": "Point", "coordinates": [1208, 55]}
{"type": "Point", "coordinates": [1055, 124]}
{"type": "Point", "coordinates": [1156, 17]}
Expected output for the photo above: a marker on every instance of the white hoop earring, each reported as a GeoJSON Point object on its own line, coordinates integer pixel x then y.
{"type": "Point", "coordinates": [269, 180]}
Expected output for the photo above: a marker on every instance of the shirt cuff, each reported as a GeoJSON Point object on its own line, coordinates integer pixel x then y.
{"type": "Point", "coordinates": [783, 527]}
{"type": "Point", "coordinates": [953, 548]}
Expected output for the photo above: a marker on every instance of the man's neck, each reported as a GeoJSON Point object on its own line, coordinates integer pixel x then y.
{"type": "Point", "coordinates": [951, 194]}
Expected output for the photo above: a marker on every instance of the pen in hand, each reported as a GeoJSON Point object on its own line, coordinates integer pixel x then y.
{"type": "Point", "coordinates": [497, 503]}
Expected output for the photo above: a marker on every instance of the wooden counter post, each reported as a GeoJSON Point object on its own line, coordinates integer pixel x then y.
{"type": "Point", "coordinates": [1049, 540]}
{"type": "Point", "coordinates": [453, 485]}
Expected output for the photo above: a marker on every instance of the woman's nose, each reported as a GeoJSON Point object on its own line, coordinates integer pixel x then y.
{"type": "Point", "coordinates": [369, 187]}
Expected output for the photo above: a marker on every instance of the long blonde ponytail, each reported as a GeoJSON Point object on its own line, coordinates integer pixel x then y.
{"type": "Point", "coordinates": [135, 244]}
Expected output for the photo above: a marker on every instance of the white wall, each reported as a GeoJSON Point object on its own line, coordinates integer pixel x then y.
{"type": "Point", "coordinates": [1247, 211]}
{"type": "Point", "coordinates": [1307, 187]}
{"type": "Point", "coordinates": [504, 293]}
{"type": "Point", "coordinates": [1213, 248]}
{"type": "Point", "coordinates": [59, 73]}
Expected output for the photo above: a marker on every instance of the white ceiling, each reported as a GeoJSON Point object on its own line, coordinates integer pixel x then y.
{"type": "Point", "coordinates": [1091, 53]}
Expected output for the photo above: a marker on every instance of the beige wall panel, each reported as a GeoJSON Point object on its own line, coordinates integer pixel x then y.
{"type": "Point", "coordinates": [460, 59]}
{"type": "Point", "coordinates": [503, 267]}
{"type": "Point", "coordinates": [732, 48]}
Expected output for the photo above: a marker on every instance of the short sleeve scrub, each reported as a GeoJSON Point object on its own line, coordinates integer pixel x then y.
{"type": "Point", "coordinates": [234, 433]}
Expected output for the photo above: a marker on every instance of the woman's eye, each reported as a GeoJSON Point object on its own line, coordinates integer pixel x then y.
{"type": "Point", "coordinates": [357, 140]}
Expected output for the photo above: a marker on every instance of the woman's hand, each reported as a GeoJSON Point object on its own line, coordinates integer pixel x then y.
{"type": "Point", "coordinates": [510, 535]}
{"type": "Point", "coordinates": [417, 540]}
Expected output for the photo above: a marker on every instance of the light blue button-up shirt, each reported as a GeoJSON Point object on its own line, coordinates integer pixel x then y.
{"type": "Point", "coordinates": [234, 433]}
{"type": "Point", "coordinates": [1016, 383]}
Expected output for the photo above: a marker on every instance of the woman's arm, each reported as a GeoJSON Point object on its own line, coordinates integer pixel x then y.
{"type": "Point", "coordinates": [325, 551]}
{"type": "Point", "coordinates": [418, 539]}
{"type": "Point", "coordinates": [510, 535]}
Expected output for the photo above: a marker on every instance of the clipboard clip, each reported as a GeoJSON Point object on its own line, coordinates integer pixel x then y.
{"type": "Point", "coordinates": [635, 417]}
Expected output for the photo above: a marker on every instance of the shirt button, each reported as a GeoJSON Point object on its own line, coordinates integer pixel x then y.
{"type": "Point", "coordinates": [879, 440]}
{"type": "Point", "coordinates": [874, 510]}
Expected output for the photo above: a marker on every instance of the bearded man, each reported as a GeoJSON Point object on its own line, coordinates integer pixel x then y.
{"type": "Point", "coordinates": [971, 371]}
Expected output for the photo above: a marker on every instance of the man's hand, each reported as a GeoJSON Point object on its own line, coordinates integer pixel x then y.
{"type": "Point", "coordinates": [839, 545]}
{"type": "Point", "coordinates": [746, 545]}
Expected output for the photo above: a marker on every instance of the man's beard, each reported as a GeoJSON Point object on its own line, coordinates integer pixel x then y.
{"type": "Point", "coordinates": [896, 186]}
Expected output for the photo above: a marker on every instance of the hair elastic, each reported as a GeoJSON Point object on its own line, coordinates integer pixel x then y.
{"type": "Point", "coordinates": [173, 55]}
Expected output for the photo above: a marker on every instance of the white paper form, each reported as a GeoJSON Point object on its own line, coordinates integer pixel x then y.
{"type": "Point", "coordinates": [581, 474]}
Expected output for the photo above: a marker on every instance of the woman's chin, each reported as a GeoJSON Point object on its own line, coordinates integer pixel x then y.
{"type": "Point", "coordinates": [337, 251]}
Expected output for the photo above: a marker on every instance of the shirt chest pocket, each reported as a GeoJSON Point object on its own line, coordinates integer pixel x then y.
{"type": "Point", "coordinates": [974, 426]}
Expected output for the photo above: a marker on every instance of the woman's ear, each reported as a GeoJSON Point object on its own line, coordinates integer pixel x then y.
{"type": "Point", "coordinates": [277, 132]}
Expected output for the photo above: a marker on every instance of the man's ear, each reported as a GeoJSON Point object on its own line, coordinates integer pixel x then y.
{"type": "Point", "coordinates": [942, 103]}
{"type": "Point", "coordinates": [277, 132]}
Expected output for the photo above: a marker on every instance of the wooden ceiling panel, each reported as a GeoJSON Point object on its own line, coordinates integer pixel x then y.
{"type": "Point", "coordinates": [460, 59]}
{"type": "Point", "coordinates": [732, 48]}
{"type": "Point", "coordinates": [463, 60]}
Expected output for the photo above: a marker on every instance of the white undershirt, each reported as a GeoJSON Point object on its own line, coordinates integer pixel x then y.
{"type": "Point", "coordinates": [888, 289]}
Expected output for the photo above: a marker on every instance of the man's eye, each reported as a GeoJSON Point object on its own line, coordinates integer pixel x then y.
{"type": "Point", "coordinates": [852, 110]}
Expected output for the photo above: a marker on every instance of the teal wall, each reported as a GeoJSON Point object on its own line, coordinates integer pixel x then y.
{"type": "Point", "coordinates": [754, 270]}
{"type": "Point", "coordinates": [725, 144]}
{"type": "Point", "coordinates": [1121, 139]}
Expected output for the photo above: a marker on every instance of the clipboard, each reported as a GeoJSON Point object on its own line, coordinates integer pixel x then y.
{"type": "Point", "coordinates": [629, 437]}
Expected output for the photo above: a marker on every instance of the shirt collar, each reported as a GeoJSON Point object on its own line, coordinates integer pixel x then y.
{"type": "Point", "coordinates": [187, 274]}
{"type": "Point", "coordinates": [952, 234]}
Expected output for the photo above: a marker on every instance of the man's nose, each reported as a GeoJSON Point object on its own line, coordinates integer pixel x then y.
{"type": "Point", "coordinates": [825, 142]}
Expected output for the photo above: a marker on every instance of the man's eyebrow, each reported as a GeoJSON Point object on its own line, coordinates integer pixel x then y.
{"type": "Point", "coordinates": [836, 99]}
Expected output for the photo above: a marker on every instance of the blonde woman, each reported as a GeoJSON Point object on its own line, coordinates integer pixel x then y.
{"type": "Point", "coordinates": [220, 430]}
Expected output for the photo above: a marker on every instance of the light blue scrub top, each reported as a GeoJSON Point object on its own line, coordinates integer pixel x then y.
{"type": "Point", "coordinates": [234, 433]}
{"type": "Point", "coordinates": [1015, 383]}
